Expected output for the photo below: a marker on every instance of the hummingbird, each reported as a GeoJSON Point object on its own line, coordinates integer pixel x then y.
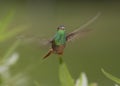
{"type": "Point", "coordinates": [59, 41]}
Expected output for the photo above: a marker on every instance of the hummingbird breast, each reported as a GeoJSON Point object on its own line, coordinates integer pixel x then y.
{"type": "Point", "coordinates": [58, 49]}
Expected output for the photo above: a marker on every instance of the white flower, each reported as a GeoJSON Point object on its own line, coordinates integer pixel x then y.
{"type": "Point", "coordinates": [116, 85]}
{"type": "Point", "coordinates": [12, 60]}
{"type": "Point", "coordinates": [82, 81]}
{"type": "Point", "coordinates": [4, 68]}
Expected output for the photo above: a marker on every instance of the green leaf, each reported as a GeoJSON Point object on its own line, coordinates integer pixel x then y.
{"type": "Point", "coordinates": [12, 33]}
{"type": "Point", "coordinates": [64, 75]}
{"type": "Point", "coordinates": [82, 80]}
{"type": "Point", "coordinates": [113, 78]}
{"type": "Point", "coordinates": [6, 33]}
{"type": "Point", "coordinates": [11, 50]}
{"type": "Point", "coordinates": [6, 21]}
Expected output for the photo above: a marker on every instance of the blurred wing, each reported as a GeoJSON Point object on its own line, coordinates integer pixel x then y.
{"type": "Point", "coordinates": [46, 41]}
{"type": "Point", "coordinates": [72, 36]}
{"type": "Point", "coordinates": [81, 30]}
{"type": "Point", "coordinates": [28, 39]}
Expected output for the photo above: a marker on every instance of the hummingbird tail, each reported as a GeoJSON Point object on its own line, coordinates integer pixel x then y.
{"type": "Point", "coordinates": [48, 54]}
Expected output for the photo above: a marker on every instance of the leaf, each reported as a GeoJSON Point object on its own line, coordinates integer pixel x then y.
{"type": "Point", "coordinates": [12, 33]}
{"type": "Point", "coordinates": [10, 51]}
{"type": "Point", "coordinates": [82, 80]}
{"type": "Point", "coordinates": [4, 32]}
{"type": "Point", "coordinates": [113, 78]}
{"type": "Point", "coordinates": [64, 75]}
{"type": "Point", "coordinates": [6, 21]}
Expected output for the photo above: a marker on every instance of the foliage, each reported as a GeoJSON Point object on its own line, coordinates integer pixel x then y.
{"type": "Point", "coordinates": [11, 57]}
{"type": "Point", "coordinates": [65, 77]}
{"type": "Point", "coordinates": [67, 80]}
{"type": "Point", "coordinates": [5, 32]}
{"type": "Point", "coordinates": [110, 76]}
{"type": "Point", "coordinates": [10, 60]}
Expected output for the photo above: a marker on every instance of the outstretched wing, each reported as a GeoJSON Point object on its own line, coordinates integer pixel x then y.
{"type": "Point", "coordinates": [81, 30]}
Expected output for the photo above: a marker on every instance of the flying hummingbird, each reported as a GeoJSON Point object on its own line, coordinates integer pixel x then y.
{"type": "Point", "coordinates": [58, 42]}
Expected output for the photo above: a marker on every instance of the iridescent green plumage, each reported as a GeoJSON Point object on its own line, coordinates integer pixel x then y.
{"type": "Point", "coordinates": [60, 37]}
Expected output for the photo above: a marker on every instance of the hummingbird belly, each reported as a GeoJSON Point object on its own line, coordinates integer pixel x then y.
{"type": "Point", "coordinates": [58, 49]}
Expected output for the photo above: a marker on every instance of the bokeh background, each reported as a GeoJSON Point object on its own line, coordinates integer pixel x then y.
{"type": "Point", "coordinates": [99, 49]}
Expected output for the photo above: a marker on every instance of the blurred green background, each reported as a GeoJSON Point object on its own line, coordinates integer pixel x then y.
{"type": "Point", "coordinates": [99, 49]}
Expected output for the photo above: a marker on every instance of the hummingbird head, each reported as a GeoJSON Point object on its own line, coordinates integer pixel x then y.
{"type": "Point", "coordinates": [62, 27]}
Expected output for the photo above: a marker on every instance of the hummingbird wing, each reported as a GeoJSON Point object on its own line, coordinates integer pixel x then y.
{"type": "Point", "coordinates": [44, 41]}
{"type": "Point", "coordinates": [82, 29]}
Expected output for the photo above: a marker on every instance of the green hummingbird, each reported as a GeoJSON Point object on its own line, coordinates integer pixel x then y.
{"type": "Point", "coordinates": [60, 39]}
